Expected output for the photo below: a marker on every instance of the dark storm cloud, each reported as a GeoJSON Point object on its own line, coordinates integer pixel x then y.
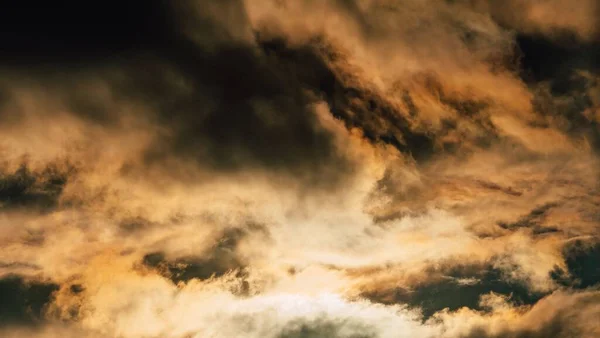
{"type": "Point", "coordinates": [455, 287]}
{"type": "Point", "coordinates": [571, 99]}
{"type": "Point", "coordinates": [543, 59]}
{"type": "Point", "coordinates": [224, 105]}
{"type": "Point", "coordinates": [561, 74]}
{"type": "Point", "coordinates": [582, 258]}
{"type": "Point", "coordinates": [223, 102]}
{"type": "Point", "coordinates": [239, 111]}
{"type": "Point", "coordinates": [24, 188]}
{"type": "Point", "coordinates": [70, 33]}
{"type": "Point", "coordinates": [22, 301]}
{"type": "Point", "coordinates": [357, 106]}
{"type": "Point", "coordinates": [236, 100]}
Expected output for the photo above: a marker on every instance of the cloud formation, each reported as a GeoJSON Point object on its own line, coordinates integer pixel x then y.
{"type": "Point", "coordinates": [272, 168]}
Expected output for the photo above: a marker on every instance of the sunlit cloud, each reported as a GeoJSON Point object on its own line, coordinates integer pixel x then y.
{"type": "Point", "coordinates": [303, 169]}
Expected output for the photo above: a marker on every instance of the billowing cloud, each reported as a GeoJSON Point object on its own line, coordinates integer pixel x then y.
{"type": "Point", "coordinates": [301, 168]}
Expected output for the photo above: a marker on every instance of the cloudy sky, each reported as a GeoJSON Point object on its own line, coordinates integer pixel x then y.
{"type": "Point", "coordinates": [300, 168]}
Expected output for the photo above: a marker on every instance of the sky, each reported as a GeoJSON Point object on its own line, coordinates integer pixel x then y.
{"type": "Point", "coordinates": [300, 168]}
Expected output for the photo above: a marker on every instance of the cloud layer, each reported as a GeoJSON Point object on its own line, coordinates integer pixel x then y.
{"type": "Point", "coordinates": [279, 168]}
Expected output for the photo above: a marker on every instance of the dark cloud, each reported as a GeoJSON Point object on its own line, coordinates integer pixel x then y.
{"type": "Point", "coordinates": [582, 258]}
{"type": "Point", "coordinates": [494, 186]}
{"type": "Point", "coordinates": [237, 102]}
{"type": "Point", "coordinates": [22, 301]}
{"type": "Point", "coordinates": [543, 59]}
{"type": "Point", "coordinates": [571, 101]}
{"type": "Point", "coordinates": [356, 106]}
{"type": "Point", "coordinates": [216, 264]}
{"type": "Point", "coordinates": [24, 188]}
{"type": "Point", "coordinates": [533, 220]}
{"type": "Point", "coordinates": [71, 34]}
{"type": "Point", "coordinates": [227, 104]}
{"type": "Point", "coordinates": [456, 287]}
{"type": "Point", "coordinates": [238, 113]}
{"type": "Point", "coordinates": [224, 106]}
{"type": "Point", "coordinates": [561, 74]}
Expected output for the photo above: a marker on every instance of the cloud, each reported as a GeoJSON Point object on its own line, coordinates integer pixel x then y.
{"type": "Point", "coordinates": [299, 169]}
{"type": "Point", "coordinates": [23, 301]}
{"type": "Point", "coordinates": [23, 188]}
{"type": "Point", "coordinates": [552, 18]}
{"type": "Point", "coordinates": [548, 319]}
